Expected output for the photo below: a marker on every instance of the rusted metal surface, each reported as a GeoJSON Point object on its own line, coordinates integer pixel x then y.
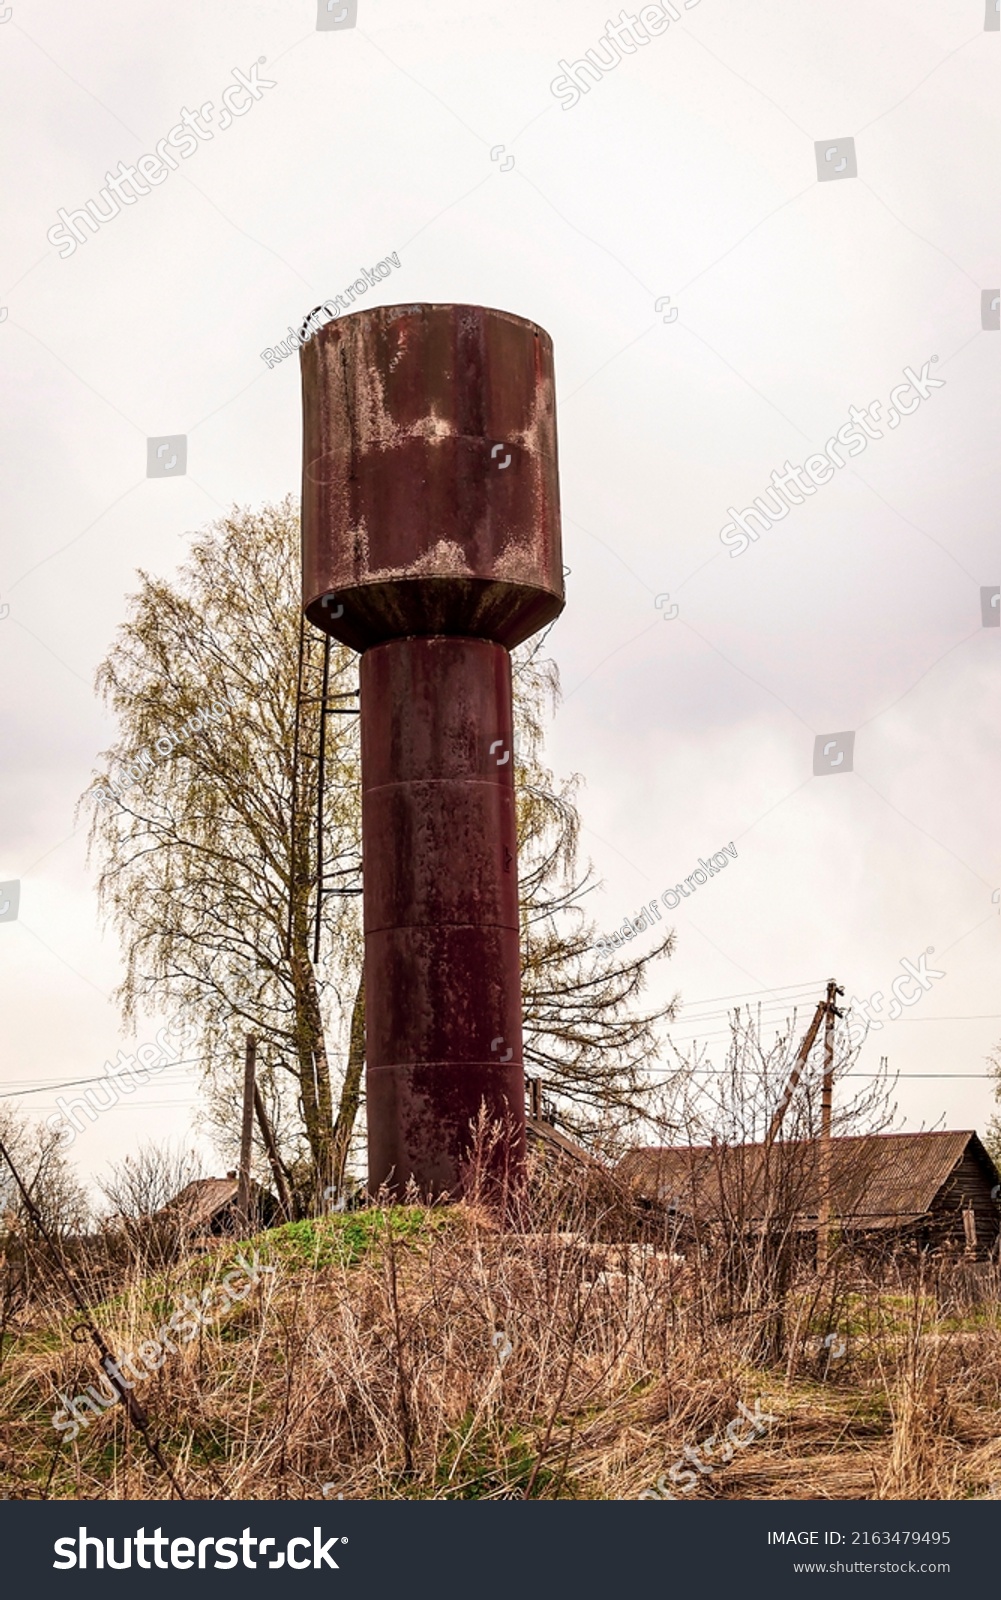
{"type": "Point", "coordinates": [430, 493]}
{"type": "Point", "coordinates": [431, 543]}
{"type": "Point", "coordinates": [441, 902]}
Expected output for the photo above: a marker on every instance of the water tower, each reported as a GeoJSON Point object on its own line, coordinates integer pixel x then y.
{"type": "Point", "coordinates": [431, 545]}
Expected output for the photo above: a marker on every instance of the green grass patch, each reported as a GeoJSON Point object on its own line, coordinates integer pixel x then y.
{"type": "Point", "coordinates": [488, 1463]}
{"type": "Point", "coordinates": [347, 1239]}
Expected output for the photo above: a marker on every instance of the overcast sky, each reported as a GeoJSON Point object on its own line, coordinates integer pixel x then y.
{"type": "Point", "coordinates": [717, 310]}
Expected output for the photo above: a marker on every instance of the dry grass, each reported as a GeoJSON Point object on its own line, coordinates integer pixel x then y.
{"type": "Point", "coordinates": [373, 1361]}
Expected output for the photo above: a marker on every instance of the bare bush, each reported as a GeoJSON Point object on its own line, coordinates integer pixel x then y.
{"type": "Point", "coordinates": [139, 1190]}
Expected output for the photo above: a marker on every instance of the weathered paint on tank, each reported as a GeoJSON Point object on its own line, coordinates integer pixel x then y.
{"type": "Point", "coordinates": [429, 462]}
{"type": "Point", "coordinates": [431, 543]}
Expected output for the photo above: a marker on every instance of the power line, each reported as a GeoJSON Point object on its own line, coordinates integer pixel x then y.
{"type": "Point", "coordinates": [724, 1033]}
{"type": "Point", "coordinates": [721, 1036]}
{"type": "Point", "coordinates": [985, 1017]}
{"type": "Point", "coordinates": [773, 1008]}
{"type": "Point", "coordinates": [124, 1105]}
{"type": "Point", "coordinates": [764, 1073]}
{"type": "Point", "coordinates": [16, 1084]}
{"type": "Point", "coordinates": [712, 999]}
{"type": "Point", "coordinates": [748, 1002]}
{"type": "Point", "coordinates": [44, 1084]}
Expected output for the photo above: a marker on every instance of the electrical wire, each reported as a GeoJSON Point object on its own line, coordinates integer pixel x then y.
{"type": "Point", "coordinates": [712, 999]}
{"type": "Point", "coordinates": [39, 1086]}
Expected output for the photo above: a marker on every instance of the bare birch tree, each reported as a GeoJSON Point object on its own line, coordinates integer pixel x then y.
{"type": "Point", "coordinates": [209, 874]}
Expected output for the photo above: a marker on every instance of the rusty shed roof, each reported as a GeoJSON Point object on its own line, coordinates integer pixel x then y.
{"type": "Point", "coordinates": [879, 1180]}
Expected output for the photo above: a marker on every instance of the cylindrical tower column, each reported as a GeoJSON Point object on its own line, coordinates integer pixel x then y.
{"type": "Point", "coordinates": [441, 901]}
{"type": "Point", "coordinates": [431, 543]}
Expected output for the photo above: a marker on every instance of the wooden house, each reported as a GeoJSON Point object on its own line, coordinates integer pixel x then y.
{"type": "Point", "coordinates": [208, 1208]}
{"type": "Point", "coordinates": [929, 1191]}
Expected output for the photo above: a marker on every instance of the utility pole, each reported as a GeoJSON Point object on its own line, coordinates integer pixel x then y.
{"type": "Point", "coordinates": [826, 1118]}
{"type": "Point", "coordinates": [247, 1131]}
{"type": "Point", "coordinates": [795, 1075]}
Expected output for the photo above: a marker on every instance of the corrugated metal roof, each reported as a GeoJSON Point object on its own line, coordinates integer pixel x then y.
{"type": "Point", "coordinates": [881, 1180]}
